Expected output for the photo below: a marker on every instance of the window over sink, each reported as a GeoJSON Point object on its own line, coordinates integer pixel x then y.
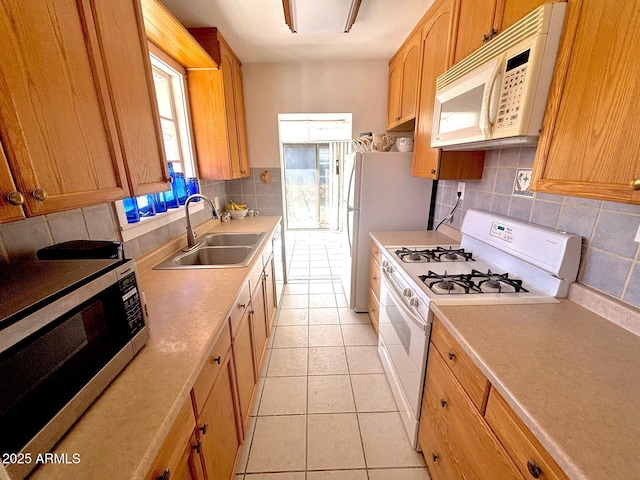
{"type": "Point", "coordinates": [144, 214]}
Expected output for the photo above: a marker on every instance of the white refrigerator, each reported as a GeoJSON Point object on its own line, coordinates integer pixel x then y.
{"type": "Point", "coordinates": [379, 194]}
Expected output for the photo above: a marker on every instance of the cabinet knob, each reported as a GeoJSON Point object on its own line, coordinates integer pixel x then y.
{"type": "Point", "coordinates": [242, 306]}
{"type": "Point", "coordinates": [451, 355]}
{"type": "Point", "coordinates": [433, 171]}
{"type": "Point", "coordinates": [375, 279]}
{"type": "Point", "coordinates": [15, 198]}
{"type": "Point", "coordinates": [197, 447]}
{"type": "Point", "coordinates": [218, 359]}
{"type": "Point", "coordinates": [435, 457]}
{"type": "Point", "coordinates": [165, 475]}
{"type": "Point", "coordinates": [635, 184]}
{"type": "Point", "coordinates": [443, 403]}
{"type": "Point", "coordinates": [40, 194]}
{"type": "Point", "coordinates": [534, 469]}
{"type": "Point", "coordinates": [203, 429]}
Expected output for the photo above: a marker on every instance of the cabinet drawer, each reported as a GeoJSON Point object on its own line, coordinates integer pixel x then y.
{"type": "Point", "coordinates": [178, 438]}
{"type": "Point", "coordinates": [240, 305]}
{"type": "Point", "coordinates": [473, 444]}
{"type": "Point", "coordinates": [470, 377]}
{"type": "Point", "coordinates": [374, 276]}
{"type": "Point", "coordinates": [211, 369]}
{"type": "Point", "coordinates": [266, 253]}
{"type": "Point", "coordinates": [376, 252]}
{"type": "Point", "coordinates": [439, 459]}
{"type": "Point", "coordinates": [374, 310]}
{"type": "Point", "coordinates": [524, 448]}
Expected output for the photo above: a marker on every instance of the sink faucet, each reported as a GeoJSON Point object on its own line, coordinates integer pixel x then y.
{"type": "Point", "coordinates": [191, 235]}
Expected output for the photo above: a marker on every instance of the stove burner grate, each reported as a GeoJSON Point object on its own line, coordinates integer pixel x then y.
{"type": "Point", "coordinates": [438, 254]}
{"type": "Point", "coordinates": [474, 282]}
{"type": "Point", "coordinates": [496, 281]}
{"type": "Point", "coordinates": [447, 283]}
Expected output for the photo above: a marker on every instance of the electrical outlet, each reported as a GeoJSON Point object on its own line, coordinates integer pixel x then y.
{"type": "Point", "coordinates": [461, 187]}
{"type": "Point", "coordinates": [637, 239]}
{"type": "Point", "coordinates": [216, 203]}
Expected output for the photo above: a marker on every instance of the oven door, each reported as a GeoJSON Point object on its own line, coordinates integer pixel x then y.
{"type": "Point", "coordinates": [403, 344]}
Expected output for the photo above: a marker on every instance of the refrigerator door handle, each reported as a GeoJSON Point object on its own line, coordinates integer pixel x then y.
{"type": "Point", "coordinates": [349, 210]}
{"type": "Point", "coordinates": [351, 176]}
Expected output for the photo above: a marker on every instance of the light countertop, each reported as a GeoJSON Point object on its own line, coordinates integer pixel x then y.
{"type": "Point", "coordinates": [120, 434]}
{"type": "Point", "coordinates": [569, 374]}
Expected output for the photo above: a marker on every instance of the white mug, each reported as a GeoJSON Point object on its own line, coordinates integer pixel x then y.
{"type": "Point", "coordinates": [405, 144]}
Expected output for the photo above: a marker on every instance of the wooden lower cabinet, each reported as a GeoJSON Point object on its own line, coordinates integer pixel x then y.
{"type": "Point", "coordinates": [178, 458]}
{"type": "Point", "coordinates": [259, 323]}
{"type": "Point", "coordinates": [218, 428]}
{"type": "Point", "coordinates": [375, 272]}
{"type": "Point", "coordinates": [478, 453]}
{"type": "Point", "coordinates": [530, 457]}
{"type": "Point", "coordinates": [246, 373]}
{"type": "Point", "coordinates": [270, 292]}
{"type": "Point", "coordinates": [437, 454]}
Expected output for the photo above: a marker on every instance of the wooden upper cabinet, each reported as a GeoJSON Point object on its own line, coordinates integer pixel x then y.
{"type": "Point", "coordinates": [474, 25]}
{"type": "Point", "coordinates": [57, 129]}
{"type": "Point", "coordinates": [430, 162]}
{"type": "Point", "coordinates": [403, 84]}
{"type": "Point", "coordinates": [126, 58]}
{"type": "Point", "coordinates": [509, 12]}
{"type": "Point", "coordinates": [72, 77]}
{"type": "Point", "coordinates": [217, 110]}
{"type": "Point", "coordinates": [10, 199]}
{"type": "Point", "coordinates": [478, 21]}
{"type": "Point", "coordinates": [590, 140]}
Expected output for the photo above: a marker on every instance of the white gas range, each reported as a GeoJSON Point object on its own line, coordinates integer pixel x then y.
{"type": "Point", "coordinates": [499, 260]}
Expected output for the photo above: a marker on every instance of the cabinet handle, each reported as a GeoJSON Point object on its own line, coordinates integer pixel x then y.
{"type": "Point", "coordinates": [242, 306]}
{"type": "Point", "coordinates": [433, 171]}
{"type": "Point", "coordinates": [218, 359]}
{"type": "Point", "coordinates": [635, 184]}
{"type": "Point", "coordinates": [203, 429]}
{"type": "Point", "coordinates": [375, 279]}
{"type": "Point", "coordinates": [15, 198]}
{"type": "Point", "coordinates": [451, 355]}
{"type": "Point", "coordinates": [435, 457]}
{"type": "Point", "coordinates": [165, 475]}
{"type": "Point", "coordinates": [40, 194]}
{"type": "Point", "coordinates": [443, 403]}
{"type": "Point", "coordinates": [534, 469]}
{"type": "Point", "coordinates": [197, 447]}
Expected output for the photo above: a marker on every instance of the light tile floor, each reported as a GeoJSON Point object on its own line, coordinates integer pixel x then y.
{"type": "Point", "coordinates": [323, 408]}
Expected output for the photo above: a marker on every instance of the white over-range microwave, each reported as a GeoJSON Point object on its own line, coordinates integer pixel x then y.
{"type": "Point", "coordinates": [496, 97]}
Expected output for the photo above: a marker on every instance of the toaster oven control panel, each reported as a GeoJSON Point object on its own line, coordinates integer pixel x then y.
{"type": "Point", "coordinates": [132, 303]}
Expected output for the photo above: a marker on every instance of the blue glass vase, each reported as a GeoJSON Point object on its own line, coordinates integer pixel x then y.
{"type": "Point", "coordinates": [145, 206]}
{"type": "Point", "coordinates": [131, 210]}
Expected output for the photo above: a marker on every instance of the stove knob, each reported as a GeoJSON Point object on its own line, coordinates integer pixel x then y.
{"type": "Point", "coordinates": [414, 302]}
{"type": "Point", "coordinates": [385, 264]}
{"type": "Point", "coordinates": [388, 269]}
{"type": "Point", "coordinates": [407, 293]}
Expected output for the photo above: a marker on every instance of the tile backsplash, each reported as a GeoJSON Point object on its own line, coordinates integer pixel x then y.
{"type": "Point", "coordinates": [265, 197]}
{"type": "Point", "coordinates": [610, 256]}
{"type": "Point", "coordinates": [20, 240]}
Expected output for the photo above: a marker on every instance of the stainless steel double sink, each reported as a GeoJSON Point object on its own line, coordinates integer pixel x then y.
{"type": "Point", "coordinates": [217, 250]}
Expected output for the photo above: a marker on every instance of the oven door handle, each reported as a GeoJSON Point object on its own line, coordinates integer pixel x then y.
{"type": "Point", "coordinates": [409, 310]}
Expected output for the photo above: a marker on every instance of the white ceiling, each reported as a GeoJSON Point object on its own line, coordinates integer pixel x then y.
{"type": "Point", "coordinates": [256, 30]}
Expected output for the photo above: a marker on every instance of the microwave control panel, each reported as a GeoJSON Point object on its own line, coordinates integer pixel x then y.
{"type": "Point", "coordinates": [511, 91]}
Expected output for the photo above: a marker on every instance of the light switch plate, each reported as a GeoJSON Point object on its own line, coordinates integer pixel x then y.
{"type": "Point", "coordinates": [637, 239]}
{"type": "Point", "coordinates": [216, 203]}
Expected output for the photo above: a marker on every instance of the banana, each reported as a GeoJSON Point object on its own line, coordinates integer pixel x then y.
{"type": "Point", "coordinates": [234, 206]}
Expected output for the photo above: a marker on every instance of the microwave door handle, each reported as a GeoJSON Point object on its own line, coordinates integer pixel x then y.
{"type": "Point", "coordinates": [487, 127]}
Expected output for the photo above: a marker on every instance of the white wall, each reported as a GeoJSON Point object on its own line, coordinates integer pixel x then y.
{"type": "Point", "coordinates": [273, 88]}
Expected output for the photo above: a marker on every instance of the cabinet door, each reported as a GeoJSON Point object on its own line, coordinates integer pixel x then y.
{"type": "Point", "coordinates": [246, 374]}
{"type": "Point", "coordinates": [395, 87]}
{"type": "Point", "coordinates": [477, 451]}
{"type": "Point", "coordinates": [9, 210]}
{"type": "Point", "coordinates": [435, 41]}
{"type": "Point", "coordinates": [238, 96]}
{"type": "Point", "coordinates": [474, 26]}
{"type": "Point", "coordinates": [226, 67]}
{"type": "Point", "coordinates": [590, 140]}
{"type": "Point", "coordinates": [509, 12]}
{"type": "Point", "coordinates": [410, 72]}
{"type": "Point", "coordinates": [270, 293]}
{"type": "Point", "coordinates": [126, 59]}
{"type": "Point", "coordinates": [219, 435]}
{"type": "Point", "coordinates": [259, 323]}
{"type": "Point", "coordinates": [58, 129]}
{"type": "Point", "coordinates": [176, 455]}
